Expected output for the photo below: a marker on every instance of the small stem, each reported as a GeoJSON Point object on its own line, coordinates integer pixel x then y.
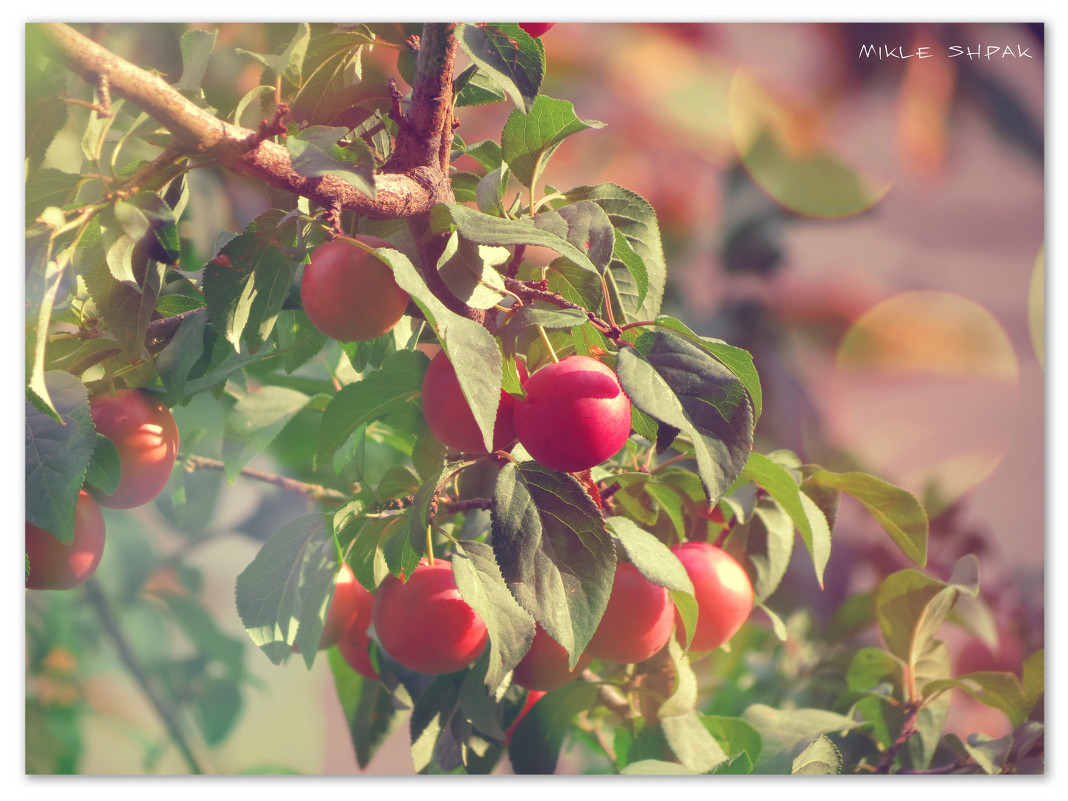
{"type": "Point", "coordinates": [668, 462]}
{"type": "Point", "coordinates": [607, 302]}
{"type": "Point", "coordinates": [908, 728]}
{"type": "Point", "coordinates": [638, 324]}
{"type": "Point", "coordinates": [429, 545]}
{"type": "Point", "coordinates": [170, 720]}
{"type": "Point", "coordinates": [314, 491]}
{"type": "Point", "coordinates": [547, 343]}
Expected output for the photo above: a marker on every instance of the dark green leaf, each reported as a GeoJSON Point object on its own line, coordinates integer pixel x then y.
{"type": "Point", "coordinates": [554, 552]}
{"type": "Point", "coordinates": [57, 455]}
{"type": "Point", "coordinates": [316, 153]}
{"type": "Point", "coordinates": [679, 384]}
{"type": "Point", "coordinates": [105, 467]}
{"type": "Point", "coordinates": [537, 740]}
{"type": "Point", "coordinates": [508, 57]}
{"type": "Point", "coordinates": [366, 706]}
{"type": "Point", "coordinates": [254, 422]}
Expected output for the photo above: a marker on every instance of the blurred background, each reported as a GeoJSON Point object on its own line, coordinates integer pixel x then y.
{"type": "Point", "coordinates": [870, 227]}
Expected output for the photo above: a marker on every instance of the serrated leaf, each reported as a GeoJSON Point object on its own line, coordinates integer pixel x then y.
{"type": "Point", "coordinates": [734, 736]}
{"type": "Point", "coordinates": [786, 733]}
{"type": "Point", "coordinates": [48, 187]}
{"type": "Point", "coordinates": [554, 552]}
{"type": "Point", "coordinates": [804, 513]}
{"type": "Point", "coordinates": [471, 348]}
{"type": "Point", "coordinates": [284, 593]}
{"type": "Point", "coordinates": [288, 63]}
{"type": "Point", "coordinates": [468, 271]}
{"type": "Point", "coordinates": [254, 422]}
{"type": "Point", "coordinates": [176, 361]}
{"type": "Point", "coordinates": [385, 394]}
{"type": "Point", "coordinates": [820, 758]}
{"type": "Point", "coordinates": [481, 585]}
{"type": "Point", "coordinates": [327, 87]}
{"type": "Point", "coordinates": [105, 467]}
{"type": "Point", "coordinates": [653, 558]}
{"type": "Point", "coordinates": [635, 218]}
{"type": "Point", "coordinates": [57, 455]}
{"type": "Point", "coordinates": [315, 153]}
{"type": "Point", "coordinates": [526, 316]}
{"type": "Point", "coordinates": [679, 384]}
{"type": "Point", "coordinates": [477, 89]}
{"type": "Point", "coordinates": [683, 730]}
{"type": "Point", "coordinates": [899, 512]}
{"type": "Point", "coordinates": [197, 46]}
{"type": "Point", "coordinates": [45, 116]}
{"type": "Point", "coordinates": [529, 139]}
{"type": "Point", "coordinates": [507, 56]}
{"type": "Point", "coordinates": [39, 323]}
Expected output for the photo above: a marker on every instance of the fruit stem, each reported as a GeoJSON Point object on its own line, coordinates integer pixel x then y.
{"type": "Point", "coordinates": [548, 345]}
{"type": "Point", "coordinates": [429, 545]}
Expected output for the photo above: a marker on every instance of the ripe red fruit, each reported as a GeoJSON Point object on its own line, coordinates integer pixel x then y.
{"type": "Point", "coordinates": [146, 437]}
{"type": "Point", "coordinates": [449, 416]}
{"type": "Point", "coordinates": [424, 623]}
{"type": "Point", "coordinates": [350, 600]}
{"type": "Point", "coordinates": [545, 665]}
{"type": "Point", "coordinates": [349, 294]}
{"type": "Point", "coordinates": [575, 414]}
{"type": "Point", "coordinates": [723, 591]}
{"type": "Point", "coordinates": [637, 622]}
{"type": "Point", "coordinates": [536, 28]}
{"type": "Point", "coordinates": [56, 565]}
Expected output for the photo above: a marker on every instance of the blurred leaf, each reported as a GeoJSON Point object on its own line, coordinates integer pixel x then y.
{"type": "Point", "coordinates": [254, 422]}
{"type": "Point", "coordinates": [786, 733]}
{"type": "Point", "coordinates": [105, 468]}
{"type": "Point", "coordinates": [537, 740]}
{"type": "Point", "coordinates": [366, 705]}
{"type": "Point", "coordinates": [288, 63]}
{"type": "Point", "coordinates": [656, 767]}
{"type": "Point", "coordinates": [316, 153]}
{"type": "Point", "coordinates": [821, 758]}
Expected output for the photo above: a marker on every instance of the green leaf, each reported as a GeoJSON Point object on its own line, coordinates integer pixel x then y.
{"type": "Point", "coordinates": [1034, 678]}
{"type": "Point", "coordinates": [245, 287]}
{"type": "Point", "coordinates": [331, 75]}
{"type": "Point", "coordinates": [635, 282]}
{"type": "Point", "coordinates": [634, 217]}
{"type": "Point", "coordinates": [657, 767]}
{"type": "Point", "coordinates": [554, 552]}
{"type": "Point", "coordinates": [653, 558]}
{"type": "Point", "coordinates": [471, 348]}
{"type": "Point", "coordinates": [481, 585]}
{"type": "Point", "coordinates": [39, 324]}
{"type": "Point", "coordinates": [485, 229]}
{"type": "Point", "coordinates": [995, 689]}
{"type": "Point", "coordinates": [105, 467]}
{"type": "Point", "coordinates": [737, 360]}
{"type": "Point", "coordinates": [316, 153]}
{"type": "Point", "coordinates": [197, 46]}
{"type": "Point", "coordinates": [298, 340]}
{"type": "Point", "coordinates": [821, 758]}
{"type": "Point", "coordinates": [254, 422]}
{"type": "Point", "coordinates": [49, 187]}
{"type": "Point", "coordinates": [526, 316]}
{"type": "Point", "coordinates": [468, 270]}
{"type": "Point", "coordinates": [679, 384]}
{"type": "Point", "coordinates": [45, 116]}
{"type": "Point", "coordinates": [284, 593]}
{"type": "Point", "coordinates": [507, 56]}
{"type": "Point", "coordinates": [288, 63]}
{"type": "Point", "coordinates": [585, 226]}
{"type": "Point", "coordinates": [684, 732]}
{"type": "Point", "coordinates": [991, 754]}
{"type": "Point", "coordinates": [217, 708]}
{"type": "Point", "coordinates": [176, 361]}
{"type": "Point", "coordinates": [734, 736]}
{"type": "Point", "coordinates": [149, 221]}
{"type": "Point", "coordinates": [57, 455]}
{"type": "Point", "coordinates": [529, 139]}
{"type": "Point", "coordinates": [537, 740]}
{"type": "Point", "coordinates": [389, 394]}
{"type": "Point", "coordinates": [804, 513]}
{"type": "Point", "coordinates": [897, 511]}
{"type": "Point", "coordinates": [366, 705]}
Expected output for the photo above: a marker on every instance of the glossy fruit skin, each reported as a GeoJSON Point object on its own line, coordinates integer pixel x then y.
{"type": "Point", "coordinates": [575, 414]}
{"type": "Point", "coordinates": [350, 295]}
{"type": "Point", "coordinates": [424, 624]}
{"type": "Point", "coordinates": [545, 665]}
{"type": "Point", "coordinates": [536, 29]}
{"type": "Point", "coordinates": [350, 598]}
{"type": "Point", "coordinates": [55, 565]}
{"type": "Point", "coordinates": [449, 416]}
{"type": "Point", "coordinates": [146, 437]}
{"type": "Point", "coordinates": [637, 622]}
{"type": "Point", "coordinates": [723, 591]}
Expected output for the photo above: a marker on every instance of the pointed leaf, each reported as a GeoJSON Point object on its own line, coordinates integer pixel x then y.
{"type": "Point", "coordinates": [508, 56]}
{"type": "Point", "coordinates": [529, 139]}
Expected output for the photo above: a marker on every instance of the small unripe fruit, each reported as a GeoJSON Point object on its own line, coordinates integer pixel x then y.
{"type": "Point", "coordinates": [349, 294]}
{"type": "Point", "coordinates": [637, 622]}
{"type": "Point", "coordinates": [723, 592]}
{"type": "Point", "coordinates": [575, 414]}
{"type": "Point", "coordinates": [536, 29]}
{"type": "Point", "coordinates": [424, 623]}
{"type": "Point", "coordinates": [56, 565]}
{"type": "Point", "coordinates": [145, 435]}
{"type": "Point", "coordinates": [449, 416]}
{"type": "Point", "coordinates": [545, 665]}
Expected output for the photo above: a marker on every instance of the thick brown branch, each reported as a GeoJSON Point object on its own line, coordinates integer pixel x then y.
{"type": "Point", "coordinates": [409, 188]}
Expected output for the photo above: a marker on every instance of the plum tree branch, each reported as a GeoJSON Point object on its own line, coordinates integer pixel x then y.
{"type": "Point", "coordinates": [314, 491]}
{"type": "Point", "coordinates": [412, 183]}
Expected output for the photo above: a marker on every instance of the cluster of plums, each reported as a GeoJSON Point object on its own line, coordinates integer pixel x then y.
{"type": "Point", "coordinates": [425, 625]}
{"type": "Point", "coordinates": [146, 437]}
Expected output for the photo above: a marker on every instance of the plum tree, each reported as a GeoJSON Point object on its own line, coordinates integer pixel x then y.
{"type": "Point", "coordinates": [424, 624]}
{"type": "Point", "coordinates": [56, 565]}
{"type": "Point", "coordinates": [544, 667]}
{"type": "Point", "coordinates": [348, 293]}
{"type": "Point", "coordinates": [575, 414]}
{"type": "Point", "coordinates": [723, 592]}
{"type": "Point", "coordinates": [449, 416]}
{"type": "Point", "coordinates": [637, 621]}
{"type": "Point", "coordinates": [350, 604]}
{"type": "Point", "coordinates": [145, 435]}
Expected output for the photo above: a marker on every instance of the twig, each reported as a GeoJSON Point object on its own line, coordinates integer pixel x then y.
{"type": "Point", "coordinates": [314, 491]}
{"type": "Point", "coordinates": [170, 720]}
{"type": "Point", "coordinates": [536, 291]}
{"type": "Point", "coordinates": [908, 729]}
